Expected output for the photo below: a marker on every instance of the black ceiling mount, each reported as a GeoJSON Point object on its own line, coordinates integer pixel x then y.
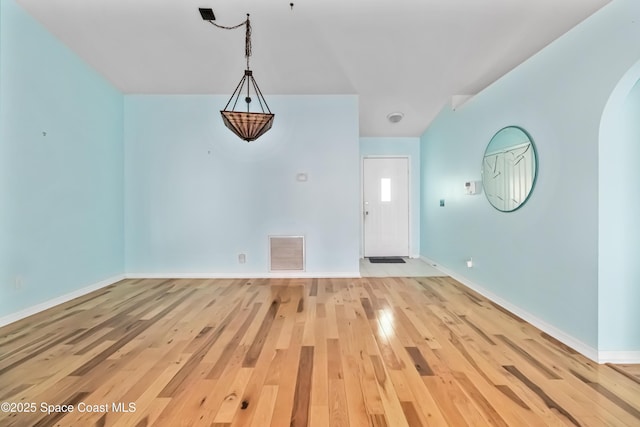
{"type": "Point", "coordinates": [207, 14]}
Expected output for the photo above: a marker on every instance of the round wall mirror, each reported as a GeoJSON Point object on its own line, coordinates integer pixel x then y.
{"type": "Point", "coordinates": [509, 169]}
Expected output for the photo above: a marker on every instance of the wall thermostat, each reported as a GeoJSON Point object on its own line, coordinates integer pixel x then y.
{"type": "Point", "coordinates": [470, 187]}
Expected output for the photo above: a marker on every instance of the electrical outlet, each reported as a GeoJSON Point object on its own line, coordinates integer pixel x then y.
{"type": "Point", "coordinates": [18, 282]}
{"type": "Point", "coordinates": [242, 258]}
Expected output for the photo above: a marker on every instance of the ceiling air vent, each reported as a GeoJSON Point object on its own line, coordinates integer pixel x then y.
{"type": "Point", "coordinates": [395, 117]}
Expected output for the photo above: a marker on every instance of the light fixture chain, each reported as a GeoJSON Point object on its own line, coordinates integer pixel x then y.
{"type": "Point", "coordinates": [247, 40]}
{"type": "Point", "coordinates": [227, 28]}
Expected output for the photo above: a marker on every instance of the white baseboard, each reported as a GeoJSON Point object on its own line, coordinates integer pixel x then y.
{"type": "Point", "coordinates": [269, 275]}
{"type": "Point", "coordinates": [626, 357]}
{"type": "Point", "coordinates": [556, 333]}
{"type": "Point", "coordinates": [14, 317]}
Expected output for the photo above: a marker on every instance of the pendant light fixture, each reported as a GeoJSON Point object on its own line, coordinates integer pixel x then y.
{"type": "Point", "coordinates": [248, 125]}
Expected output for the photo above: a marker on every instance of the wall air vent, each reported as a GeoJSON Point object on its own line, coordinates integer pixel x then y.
{"type": "Point", "coordinates": [286, 253]}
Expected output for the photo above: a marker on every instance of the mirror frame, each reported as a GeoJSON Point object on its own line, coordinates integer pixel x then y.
{"type": "Point", "coordinates": [535, 164]}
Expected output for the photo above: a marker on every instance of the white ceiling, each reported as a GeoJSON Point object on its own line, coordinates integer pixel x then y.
{"type": "Point", "coordinates": [411, 56]}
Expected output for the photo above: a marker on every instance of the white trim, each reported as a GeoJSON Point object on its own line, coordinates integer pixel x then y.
{"type": "Point", "coordinates": [627, 357]}
{"type": "Point", "coordinates": [14, 317]}
{"type": "Point", "coordinates": [556, 333]}
{"type": "Point", "coordinates": [273, 275]}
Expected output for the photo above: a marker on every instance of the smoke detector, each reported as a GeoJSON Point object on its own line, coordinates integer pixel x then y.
{"type": "Point", "coordinates": [395, 117]}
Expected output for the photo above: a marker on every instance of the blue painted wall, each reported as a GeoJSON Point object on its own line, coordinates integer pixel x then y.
{"type": "Point", "coordinates": [409, 147]}
{"type": "Point", "coordinates": [619, 238]}
{"type": "Point", "coordinates": [197, 196]}
{"type": "Point", "coordinates": [61, 224]}
{"type": "Point", "coordinates": [543, 258]}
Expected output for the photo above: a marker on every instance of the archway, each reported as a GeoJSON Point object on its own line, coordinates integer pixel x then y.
{"type": "Point", "coordinates": [618, 225]}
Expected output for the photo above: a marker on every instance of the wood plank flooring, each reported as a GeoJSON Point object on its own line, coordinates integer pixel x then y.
{"type": "Point", "coordinates": [300, 352]}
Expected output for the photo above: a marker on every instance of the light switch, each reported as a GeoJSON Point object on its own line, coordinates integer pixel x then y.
{"type": "Point", "coordinates": [302, 177]}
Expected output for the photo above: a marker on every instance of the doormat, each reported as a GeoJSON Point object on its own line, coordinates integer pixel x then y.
{"type": "Point", "coordinates": [386, 260]}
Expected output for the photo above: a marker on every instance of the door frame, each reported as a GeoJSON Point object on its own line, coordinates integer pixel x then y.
{"type": "Point", "coordinates": [409, 205]}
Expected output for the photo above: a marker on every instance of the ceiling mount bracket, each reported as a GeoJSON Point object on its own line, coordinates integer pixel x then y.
{"type": "Point", "coordinates": [207, 14]}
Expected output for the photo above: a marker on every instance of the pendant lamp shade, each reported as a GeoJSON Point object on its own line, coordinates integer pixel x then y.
{"type": "Point", "coordinates": [248, 126]}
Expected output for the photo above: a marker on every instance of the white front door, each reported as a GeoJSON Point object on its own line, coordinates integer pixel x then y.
{"type": "Point", "coordinates": [386, 206]}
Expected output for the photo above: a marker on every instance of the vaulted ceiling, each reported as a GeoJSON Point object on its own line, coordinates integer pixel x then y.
{"type": "Point", "coordinates": [410, 56]}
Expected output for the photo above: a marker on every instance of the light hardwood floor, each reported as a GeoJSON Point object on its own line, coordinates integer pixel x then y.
{"type": "Point", "coordinates": [320, 352]}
